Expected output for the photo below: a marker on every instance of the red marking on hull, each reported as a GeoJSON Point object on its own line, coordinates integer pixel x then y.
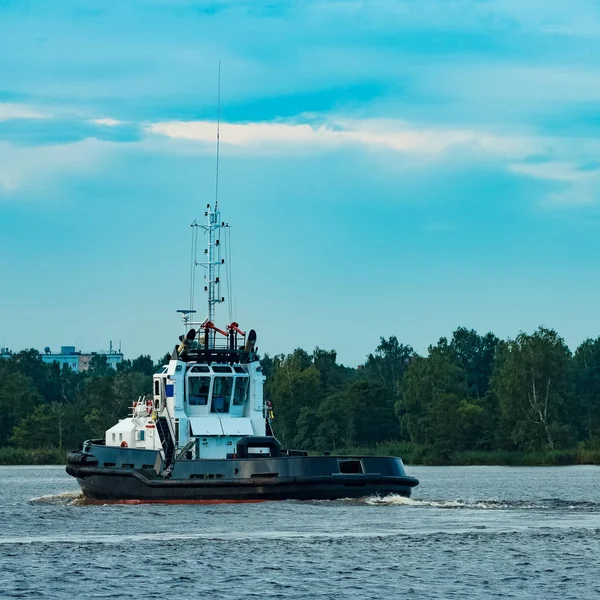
{"type": "Point", "coordinates": [95, 502]}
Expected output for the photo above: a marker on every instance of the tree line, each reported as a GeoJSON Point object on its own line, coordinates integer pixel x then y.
{"type": "Point", "coordinates": [46, 405]}
{"type": "Point", "coordinates": [471, 392]}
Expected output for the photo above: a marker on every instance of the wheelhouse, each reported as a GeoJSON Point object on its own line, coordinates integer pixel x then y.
{"type": "Point", "coordinates": [216, 390]}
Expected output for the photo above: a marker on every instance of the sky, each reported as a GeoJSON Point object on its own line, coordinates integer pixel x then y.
{"type": "Point", "coordinates": [398, 167]}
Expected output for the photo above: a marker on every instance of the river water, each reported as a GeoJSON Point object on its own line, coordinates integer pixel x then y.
{"type": "Point", "coordinates": [468, 532]}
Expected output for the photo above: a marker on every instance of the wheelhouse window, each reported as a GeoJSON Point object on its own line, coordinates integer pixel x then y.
{"type": "Point", "coordinates": [240, 391]}
{"type": "Point", "coordinates": [221, 397]}
{"type": "Point", "coordinates": [199, 388]}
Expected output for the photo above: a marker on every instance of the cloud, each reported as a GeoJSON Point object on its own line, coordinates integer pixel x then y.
{"type": "Point", "coordinates": [10, 111]}
{"type": "Point", "coordinates": [64, 130]}
{"type": "Point", "coordinates": [567, 169]}
{"type": "Point", "coordinates": [107, 121]}
{"type": "Point", "coordinates": [392, 135]}
{"type": "Point", "coordinates": [573, 184]}
{"type": "Point", "coordinates": [565, 161]}
{"type": "Point", "coordinates": [557, 160]}
{"type": "Point", "coordinates": [38, 168]}
{"type": "Point", "coordinates": [556, 171]}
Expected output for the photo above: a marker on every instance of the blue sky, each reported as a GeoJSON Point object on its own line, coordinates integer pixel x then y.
{"type": "Point", "coordinates": [389, 167]}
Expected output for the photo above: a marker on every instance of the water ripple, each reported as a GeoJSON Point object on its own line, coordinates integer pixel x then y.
{"type": "Point", "coordinates": [468, 533]}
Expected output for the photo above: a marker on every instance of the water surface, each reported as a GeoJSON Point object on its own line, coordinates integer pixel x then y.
{"type": "Point", "coordinates": [468, 532]}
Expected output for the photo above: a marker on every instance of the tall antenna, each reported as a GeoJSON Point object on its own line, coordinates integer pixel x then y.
{"type": "Point", "coordinates": [212, 228]}
{"type": "Point", "coordinates": [218, 138]}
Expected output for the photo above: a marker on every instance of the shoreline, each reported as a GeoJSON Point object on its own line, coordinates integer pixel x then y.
{"type": "Point", "coordinates": [411, 456]}
{"type": "Point", "coordinates": [415, 456]}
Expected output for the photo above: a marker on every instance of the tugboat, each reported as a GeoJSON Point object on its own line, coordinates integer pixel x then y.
{"type": "Point", "coordinates": [204, 435]}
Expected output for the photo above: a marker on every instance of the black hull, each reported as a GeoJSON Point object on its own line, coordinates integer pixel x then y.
{"type": "Point", "coordinates": [133, 488]}
{"type": "Point", "coordinates": [233, 480]}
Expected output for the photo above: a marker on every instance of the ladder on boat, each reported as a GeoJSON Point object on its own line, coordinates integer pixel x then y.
{"type": "Point", "coordinates": [166, 439]}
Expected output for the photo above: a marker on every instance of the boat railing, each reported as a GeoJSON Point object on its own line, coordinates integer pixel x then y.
{"type": "Point", "coordinates": [219, 355]}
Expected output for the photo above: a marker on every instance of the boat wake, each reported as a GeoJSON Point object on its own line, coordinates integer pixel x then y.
{"type": "Point", "coordinates": [119, 539]}
{"type": "Point", "coordinates": [397, 500]}
{"type": "Point", "coordinates": [64, 499]}
{"type": "Point", "coordinates": [78, 499]}
{"type": "Point", "coordinates": [542, 504]}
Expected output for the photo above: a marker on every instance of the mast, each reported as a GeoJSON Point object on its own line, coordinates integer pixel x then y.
{"type": "Point", "coordinates": [214, 260]}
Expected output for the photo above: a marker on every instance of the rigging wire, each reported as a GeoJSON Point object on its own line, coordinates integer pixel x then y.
{"type": "Point", "coordinates": [229, 279]}
{"type": "Point", "coordinates": [192, 269]}
{"type": "Point", "coordinates": [194, 263]}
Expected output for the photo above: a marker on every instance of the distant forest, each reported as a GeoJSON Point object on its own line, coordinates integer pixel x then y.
{"type": "Point", "coordinates": [470, 395]}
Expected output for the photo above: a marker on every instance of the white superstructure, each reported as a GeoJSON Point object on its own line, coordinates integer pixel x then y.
{"type": "Point", "coordinates": [210, 394]}
{"type": "Point", "coordinates": [138, 431]}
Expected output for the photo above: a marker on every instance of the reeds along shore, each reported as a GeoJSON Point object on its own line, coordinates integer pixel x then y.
{"type": "Point", "coordinates": [411, 456]}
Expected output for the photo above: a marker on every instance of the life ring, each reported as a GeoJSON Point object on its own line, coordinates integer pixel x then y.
{"type": "Point", "coordinates": [149, 407]}
{"type": "Point", "coordinates": [123, 444]}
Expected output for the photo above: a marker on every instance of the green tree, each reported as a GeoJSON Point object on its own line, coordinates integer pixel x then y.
{"type": "Point", "coordinates": [335, 423]}
{"type": "Point", "coordinates": [100, 399]}
{"type": "Point", "coordinates": [128, 387]}
{"type": "Point", "coordinates": [99, 366]}
{"type": "Point", "coordinates": [142, 364]}
{"type": "Point", "coordinates": [45, 377]}
{"type": "Point", "coordinates": [298, 384]}
{"type": "Point", "coordinates": [267, 365]}
{"type": "Point", "coordinates": [18, 397]}
{"type": "Point", "coordinates": [586, 378]}
{"type": "Point", "coordinates": [435, 408]}
{"type": "Point", "coordinates": [29, 363]}
{"type": "Point", "coordinates": [475, 354]}
{"type": "Point", "coordinates": [387, 364]}
{"type": "Point", "coordinates": [532, 383]}
{"type": "Point", "coordinates": [295, 384]}
{"type": "Point", "coordinates": [37, 429]}
{"type": "Point", "coordinates": [372, 411]}
{"type": "Point", "coordinates": [362, 413]}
